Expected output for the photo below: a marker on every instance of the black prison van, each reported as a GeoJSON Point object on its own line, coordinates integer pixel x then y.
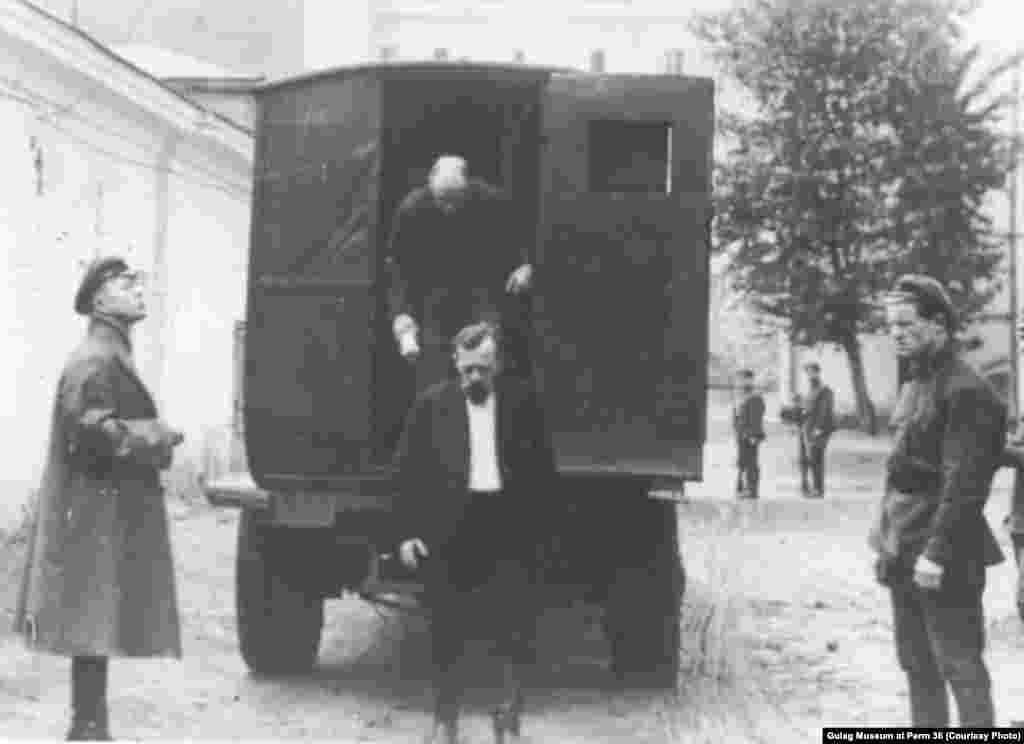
{"type": "Point", "coordinates": [610, 176]}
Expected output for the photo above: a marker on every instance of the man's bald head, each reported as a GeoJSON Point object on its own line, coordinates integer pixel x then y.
{"type": "Point", "coordinates": [448, 177]}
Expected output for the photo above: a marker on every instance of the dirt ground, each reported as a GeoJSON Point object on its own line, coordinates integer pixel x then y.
{"type": "Point", "coordinates": [784, 632]}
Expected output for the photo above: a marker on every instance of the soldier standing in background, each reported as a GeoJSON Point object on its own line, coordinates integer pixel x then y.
{"type": "Point", "coordinates": [99, 576]}
{"type": "Point", "coordinates": [748, 424]}
{"type": "Point", "coordinates": [817, 422]}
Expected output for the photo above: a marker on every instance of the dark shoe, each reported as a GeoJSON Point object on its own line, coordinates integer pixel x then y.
{"type": "Point", "coordinates": [505, 720]}
{"type": "Point", "coordinates": [88, 731]}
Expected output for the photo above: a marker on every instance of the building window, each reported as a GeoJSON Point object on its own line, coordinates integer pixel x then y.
{"type": "Point", "coordinates": [630, 156]}
{"type": "Point", "coordinates": [672, 62]}
{"type": "Point", "coordinates": [597, 61]}
{"type": "Point", "coordinates": [387, 52]}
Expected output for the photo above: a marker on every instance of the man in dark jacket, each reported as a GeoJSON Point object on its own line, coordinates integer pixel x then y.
{"type": "Point", "coordinates": [474, 466]}
{"type": "Point", "coordinates": [456, 256]}
{"type": "Point", "coordinates": [748, 424]}
{"type": "Point", "coordinates": [817, 422]}
{"type": "Point", "coordinates": [932, 539]}
{"type": "Point", "coordinates": [99, 578]}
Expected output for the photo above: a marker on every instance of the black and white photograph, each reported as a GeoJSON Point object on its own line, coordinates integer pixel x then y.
{"type": "Point", "coordinates": [480, 371]}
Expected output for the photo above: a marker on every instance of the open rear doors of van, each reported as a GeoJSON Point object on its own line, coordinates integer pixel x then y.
{"type": "Point", "coordinates": [621, 307]}
{"type": "Point", "coordinates": [613, 176]}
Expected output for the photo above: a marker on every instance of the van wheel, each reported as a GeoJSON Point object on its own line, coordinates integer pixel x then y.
{"type": "Point", "coordinates": [642, 611]}
{"type": "Point", "coordinates": [279, 621]}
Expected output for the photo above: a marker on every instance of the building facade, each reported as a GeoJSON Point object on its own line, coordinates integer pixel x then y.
{"type": "Point", "coordinates": [102, 158]}
{"type": "Point", "coordinates": [277, 38]}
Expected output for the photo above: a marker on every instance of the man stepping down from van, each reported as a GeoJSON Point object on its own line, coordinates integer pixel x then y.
{"type": "Point", "coordinates": [474, 466]}
{"type": "Point", "coordinates": [455, 257]}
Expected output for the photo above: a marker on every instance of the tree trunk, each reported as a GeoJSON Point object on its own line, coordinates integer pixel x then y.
{"type": "Point", "coordinates": [865, 408]}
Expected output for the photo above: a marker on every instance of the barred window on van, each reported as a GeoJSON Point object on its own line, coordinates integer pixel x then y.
{"type": "Point", "coordinates": [630, 156]}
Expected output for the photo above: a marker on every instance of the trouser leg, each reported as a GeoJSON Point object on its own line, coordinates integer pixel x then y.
{"type": "Point", "coordinates": [929, 705]}
{"type": "Point", "coordinates": [818, 468]}
{"type": "Point", "coordinates": [803, 462]}
{"type": "Point", "coordinates": [515, 629]}
{"type": "Point", "coordinates": [740, 468]}
{"type": "Point", "coordinates": [748, 469]}
{"type": "Point", "coordinates": [754, 473]}
{"type": "Point", "coordinates": [446, 649]}
{"type": "Point", "coordinates": [956, 628]}
{"type": "Point", "coordinates": [1018, 553]}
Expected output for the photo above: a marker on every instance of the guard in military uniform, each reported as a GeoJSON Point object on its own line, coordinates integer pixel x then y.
{"type": "Point", "coordinates": [933, 541]}
{"type": "Point", "coordinates": [817, 422]}
{"type": "Point", "coordinates": [748, 424]}
{"type": "Point", "coordinates": [99, 576]}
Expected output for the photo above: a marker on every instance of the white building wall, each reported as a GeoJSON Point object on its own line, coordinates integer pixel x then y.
{"type": "Point", "coordinates": [88, 171]}
{"type": "Point", "coordinates": [208, 254]}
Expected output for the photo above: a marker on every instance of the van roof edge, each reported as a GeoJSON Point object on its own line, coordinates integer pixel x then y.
{"type": "Point", "coordinates": [537, 71]}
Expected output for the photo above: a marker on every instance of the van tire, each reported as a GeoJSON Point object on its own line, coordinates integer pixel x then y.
{"type": "Point", "coordinates": [279, 621]}
{"type": "Point", "coordinates": [642, 612]}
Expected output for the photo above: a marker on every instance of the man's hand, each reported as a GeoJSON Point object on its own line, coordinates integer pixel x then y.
{"type": "Point", "coordinates": [406, 330]}
{"type": "Point", "coordinates": [411, 551]}
{"type": "Point", "coordinates": [520, 280]}
{"type": "Point", "coordinates": [927, 573]}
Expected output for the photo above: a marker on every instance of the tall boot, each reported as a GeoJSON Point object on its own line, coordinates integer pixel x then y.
{"type": "Point", "coordinates": [89, 715]}
{"type": "Point", "coordinates": [974, 705]}
{"type": "Point", "coordinates": [929, 705]}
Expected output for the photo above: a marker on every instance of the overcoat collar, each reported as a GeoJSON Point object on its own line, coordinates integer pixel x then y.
{"type": "Point", "coordinates": [108, 328]}
{"type": "Point", "coordinates": [116, 334]}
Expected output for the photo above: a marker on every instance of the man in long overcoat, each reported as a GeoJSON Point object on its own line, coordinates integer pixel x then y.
{"type": "Point", "coordinates": [817, 423]}
{"type": "Point", "coordinates": [933, 541]}
{"type": "Point", "coordinates": [99, 576]}
{"type": "Point", "coordinates": [456, 255]}
{"type": "Point", "coordinates": [475, 467]}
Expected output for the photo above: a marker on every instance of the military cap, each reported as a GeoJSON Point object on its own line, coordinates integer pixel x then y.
{"type": "Point", "coordinates": [929, 294]}
{"type": "Point", "coordinates": [98, 272]}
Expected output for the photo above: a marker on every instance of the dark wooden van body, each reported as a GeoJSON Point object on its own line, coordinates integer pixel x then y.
{"type": "Point", "coordinates": [610, 177]}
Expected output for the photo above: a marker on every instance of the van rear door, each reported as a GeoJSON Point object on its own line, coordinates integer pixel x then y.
{"type": "Point", "coordinates": [622, 284]}
{"type": "Point", "coordinates": [310, 295]}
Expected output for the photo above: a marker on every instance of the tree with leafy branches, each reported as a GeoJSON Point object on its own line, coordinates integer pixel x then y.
{"type": "Point", "coordinates": [868, 150]}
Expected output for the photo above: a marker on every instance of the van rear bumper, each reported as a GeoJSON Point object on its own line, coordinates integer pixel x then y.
{"type": "Point", "coordinates": [302, 506]}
